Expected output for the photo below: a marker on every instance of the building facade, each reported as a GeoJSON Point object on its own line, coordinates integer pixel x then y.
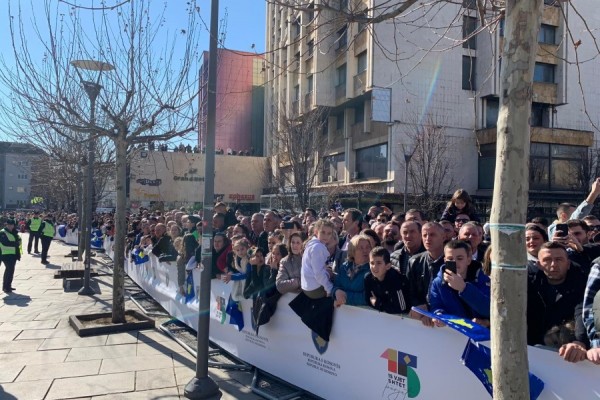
{"type": "Point", "coordinates": [387, 85]}
{"type": "Point", "coordinates": [16, 160]}
{"type": "Point", "coordinates": [240, 102]}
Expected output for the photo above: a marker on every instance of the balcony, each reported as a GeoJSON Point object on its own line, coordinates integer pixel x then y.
{"type": "Point", "coordinates": [360, 42]}
{"type": "Point", "coordinates": [295, 107]}
{"type": "Point", "coordinates": [340, 92]}
{"type": "Point", "coordinates": [545, 92]}
{"type": "Point", "coordinates": [545, 135]}
{"type": "Point", "coordinates": [547, 53]}
{"type": "Point", "coordinates": [360, 83]}
{"type": "Point", "coordinates": [308, 99]}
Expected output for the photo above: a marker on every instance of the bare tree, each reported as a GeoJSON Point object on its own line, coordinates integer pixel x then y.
{"type": "Point", "coordinates": [432, 164]}
{"type": "Point", "coordinates": [149, 96]}
{"type": "Point", "coordinates": [301, 143]}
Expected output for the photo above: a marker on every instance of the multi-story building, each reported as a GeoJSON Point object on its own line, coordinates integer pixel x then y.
{"type": "Point", "coordinates": [16, 160]}
{"type": "Point", "coordinates": [430, 68]}
{"type": "Point", "coordinates": [240, 102]}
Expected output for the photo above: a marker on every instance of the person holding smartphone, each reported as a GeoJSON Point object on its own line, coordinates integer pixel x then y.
{"type": "Point", "coordinates": [458, 289]}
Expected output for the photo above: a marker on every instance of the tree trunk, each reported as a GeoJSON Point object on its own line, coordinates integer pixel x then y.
{"type": "Point", "coordinates": [509, 208]}
{"type": "Point", "coordinates": [118, 307]}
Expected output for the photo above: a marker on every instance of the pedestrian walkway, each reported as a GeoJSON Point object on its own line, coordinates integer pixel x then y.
{"type": "Point", "coordinates": [41, 357]}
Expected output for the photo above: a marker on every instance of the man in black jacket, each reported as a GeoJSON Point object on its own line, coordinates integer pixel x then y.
{"type": "Point", "coordinates": [412, 244]}
{"type": "Point", "coordinates": [555, 297]}
{"type": "Point", "coordinates": [10, 253]}
{"type": "Point", "coordinates": [33, 225]}
{"type": "Point", "coordinates": [424, 267]}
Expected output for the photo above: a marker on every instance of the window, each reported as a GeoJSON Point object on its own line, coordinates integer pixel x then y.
{"type": "Point", "coordinates": [309, 84]}
{"type": "Point", "coordinates": [468, 73]}
{"type": "Point", "coordinates": [340, 74]}
{"type": "Point", "coordinates": [342, 40]}
{"type": "Point", "coordinates": [468, 29]}
{"type": "Point", "coordinates": [333, 166]}
{"type": "Point", "coordinates": [359, 114]}
{"type": "Point", "coordinates": [492, 106]}
{"type": "Point", "coordinates": [296, 92]}
{"type": "Point", "coordinates": [361, 62]}
{"type": "Point", "coordinates": [339, 121]}
{"type": "Point", "coordinates": [310, 48]}
{"type": "Point", "coordinates": [547, 34]}
{"type": "Point", "coordinates": [20, 189]}
{"type": "Point", "coordinates": [371, 162]}
{"type": "Point", "coordinates": [487, 166]}
{"type": "Point", "coordinates": [361, 24]}
{"type": "Point", "coordinates": [471, 4]}
{"type": "Point", "coordinates": [310, 12]}
{"type": "Point", "coordinates": [544, 73]}
{"type": "Point", "coordinates": [296, 27]}
{"type": "Point", "coordinates": [540, 115]}
{"type": "Point", "coordinates": [552, 167]}
{"type": "Point", "coordinates": [501, 27]}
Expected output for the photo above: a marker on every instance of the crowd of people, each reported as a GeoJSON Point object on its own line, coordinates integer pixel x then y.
{"type": "Point", "coordinates": [390, 262]}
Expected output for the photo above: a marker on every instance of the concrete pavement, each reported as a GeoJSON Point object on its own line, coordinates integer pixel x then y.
{"type": "Point", "coordinates": [41, 357]}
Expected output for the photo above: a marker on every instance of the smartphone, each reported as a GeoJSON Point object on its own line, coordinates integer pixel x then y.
{"type": "Point", "coordinates": [562, 229]}
{"type": "Point", "coordinates": [450, 266]}
{"type": "Point", "coordinates": [288, 225]}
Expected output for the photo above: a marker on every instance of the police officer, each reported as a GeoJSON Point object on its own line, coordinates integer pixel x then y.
{"type": "Point", "coordinates": [33, 225]}
{"type": "Point", "coordinates": [47, 234]}
{"type": "Point", "coordinates": [10, 248]}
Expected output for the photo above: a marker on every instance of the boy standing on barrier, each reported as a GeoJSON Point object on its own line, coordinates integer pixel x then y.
{"type": "Point", "coordinates": [10, 253]}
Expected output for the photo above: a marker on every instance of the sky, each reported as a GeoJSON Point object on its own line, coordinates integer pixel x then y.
{"type": "Point", "coordinates": [245, 24]}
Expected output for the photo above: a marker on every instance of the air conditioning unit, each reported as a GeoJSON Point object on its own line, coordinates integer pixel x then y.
{"type": "Point", "coordinates": [330, 178]}
{"type": "Point", "coordinates": [355, 175]}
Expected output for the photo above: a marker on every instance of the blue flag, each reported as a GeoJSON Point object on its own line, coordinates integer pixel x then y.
{"type": "Point", "coordinates": [189, 287]}
{"type": "Point", "coordinates": [139, 257]}
{"type": "Point", "coordinates": [468, 328]}
{"type": "Point", "coordinates": [236, 316]}
{"type": "Point", "coordinates": [478, 358]}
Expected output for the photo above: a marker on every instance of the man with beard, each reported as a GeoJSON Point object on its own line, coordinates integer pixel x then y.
{"type": "Point", "coordinates": [391, 235]}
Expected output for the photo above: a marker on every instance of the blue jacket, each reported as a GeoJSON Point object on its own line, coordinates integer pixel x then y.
{"type": "Point", "coordinates": [473, 302]}
{"type": "Point", "coordinates": [355, 287]}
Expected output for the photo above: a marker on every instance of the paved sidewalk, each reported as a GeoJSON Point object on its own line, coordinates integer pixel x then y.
{"type": "Point", "coordinates": [41, 357]}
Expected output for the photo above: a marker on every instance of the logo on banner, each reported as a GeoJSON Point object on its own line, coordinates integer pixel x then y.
{"type": "Point", "coordinates": [320, 344]}
{"type": "Point", "coordinates": [402, 377]}
{"type": "Point", "coordinates": [220, 311]}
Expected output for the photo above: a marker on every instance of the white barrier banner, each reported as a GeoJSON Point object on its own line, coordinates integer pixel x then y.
{"type": "Point", "coordinates": [370, 355]}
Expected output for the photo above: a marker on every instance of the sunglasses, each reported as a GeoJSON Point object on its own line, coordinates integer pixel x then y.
{"type": "Point", "coordinates": [463, 220]}
{"type": "Point", "coordinates": [595, 228]}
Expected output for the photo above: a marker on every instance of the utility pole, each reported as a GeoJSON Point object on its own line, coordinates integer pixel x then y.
{"type": "Point", "coordinates": [202, 386]}
{"type": "Point", "coordinates": [509, 207]}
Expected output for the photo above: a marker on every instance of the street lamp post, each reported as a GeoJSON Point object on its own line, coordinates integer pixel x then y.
{"type": "Point", "coordinates": [92, 89]}
{"type": "Point", "coordinates": [408, 150]}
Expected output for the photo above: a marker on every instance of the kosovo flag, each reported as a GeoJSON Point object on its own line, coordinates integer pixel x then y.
{"type": "Point", "coordinates": [189, 287]}
{"type": "Point", "coordinates": [468, 328]}
{"type": "Point", "coordinates": [236, 317]}
{"type": "Point", "coordinates": [478, 358]}
{"type": "Point", "coordinates": [139, 257]}
{"type": "Point", "coordinates": [62, 231]}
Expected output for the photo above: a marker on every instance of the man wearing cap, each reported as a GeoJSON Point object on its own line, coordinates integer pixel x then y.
{"type": "Point", "coordinates": [10, 253]}
{"type": "Point", "coordinates": [47, 234]}
{"type": "Point", "coordinates": [33, 225]}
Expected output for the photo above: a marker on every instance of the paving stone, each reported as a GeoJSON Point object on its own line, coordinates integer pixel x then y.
{"type": "Point", "coordinates": [47, 333]}
{"type": "Point", "coordinates": [167, 347]}
{"type": "Point", "coordinates": [124, 364]}
{"type": "Point", "coordinates": [34, 357]}
{"type": "Point", "coordinates": [122, 338]}
{"type": "Point", "coordinates": [73, 342]}
{"type": "Point", "coordinates": [102, 352]}
{"type": "Point", "coordinates": [8, 336]}
{"type": "Point", "coordinates": [61, 370]}
{"type": "Point", "coordinates": [153, 336]}
{"type": "Point", "coordinates": [9, 371]}
{"type": "Point", "coordinates": [155, 379]}
{"type": "Point", "coordinates": [19, 317]}
{"type": "Point", "coordinates": [25, 390]}
{"type": "Point", "coordinates": [162, 394]}
{"type": "Point", "coordinates": [65, 388]}
{"type": "Point", "coordinates": [21, 346]}
{"type": "Point", "coordinates": [12, 326]}
{"type": "Point", "coordinates": [183, 375]}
